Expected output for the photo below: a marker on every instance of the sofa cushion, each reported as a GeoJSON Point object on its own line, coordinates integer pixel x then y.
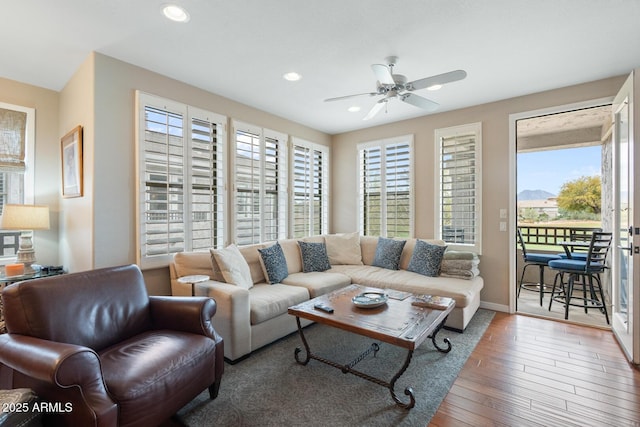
{"type": "Point", "coordinates": [291, 252]}
{"type": "Point", "coordinates": [344, 248]}
{"type": "Point", "coordinates": [196, 263]}
{"type": "Point", "coordinates": [269, 301]}
{"type": "Point", "coordinates": [274, 263]}
{"type": "Point", "coordinates": [407, 251]}
{"type": "Point", "coordinates": [234, 267]}
{"type": "Point", "coordinates": [388, 253]}
{"type": "Point", "coordinates": [314, 257]}
{"type": "Point", "coordinates": [251, 254]}
{"type": "Point", "coordinates": [368, 245]}
{"type": "Point", "coordinates": [318, 283]}
{"type": "Point", "coordinates": [463, 291]}
{"type": "Point", "coordinates": [426, 258]}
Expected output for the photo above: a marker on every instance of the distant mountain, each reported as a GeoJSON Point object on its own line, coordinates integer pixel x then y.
{"type": "Point", "coordinates": [534, 195]}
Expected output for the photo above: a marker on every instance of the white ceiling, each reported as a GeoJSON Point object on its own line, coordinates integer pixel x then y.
{"type": "Point", "coordinates": [240, 48]}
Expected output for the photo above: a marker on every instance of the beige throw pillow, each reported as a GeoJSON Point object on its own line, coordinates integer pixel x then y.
{"type": "Point", "coordinates": [234, 267]}
{"type": "Point", "coordinates": [344, 248]}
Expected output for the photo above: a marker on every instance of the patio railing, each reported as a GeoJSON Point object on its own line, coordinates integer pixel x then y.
{"type": "Point", "coordinates": [547, 237]}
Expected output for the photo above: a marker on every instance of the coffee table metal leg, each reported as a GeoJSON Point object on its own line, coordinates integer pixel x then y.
{"type": "Point", "coordinates": [304, 342]}
{"type": "Point", "coordinates": [349, 368]}
{"type": "Point", "coordinates": [446, 340]}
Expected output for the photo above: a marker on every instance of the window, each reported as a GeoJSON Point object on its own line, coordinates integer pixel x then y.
{"type": "Point", "coordinates": [310, 182]}
{"type": "Point", "coordinates": [181, 167]}
{"type": "Point", "coordinates": [17, 144]}
{"type": "Point", "coordinates": [459, 186]}
{"type": "Point", "coordinates": [386, 187]}
{"type": "Point", "coordinates": [260, 186]}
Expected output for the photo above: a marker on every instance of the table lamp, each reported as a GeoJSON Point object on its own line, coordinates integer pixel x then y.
{"type": "Point", "coordinates": [25, 218]}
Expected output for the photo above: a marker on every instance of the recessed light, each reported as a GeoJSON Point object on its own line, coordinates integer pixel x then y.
{"type": "Point", "coordinates": [353, 109]}
{"type": "Point", "coordinates": [434, 87]}
{"type": "Point", "coordinates": [292, 76]}
{"type": "Point", "coordinates": [175, 13]}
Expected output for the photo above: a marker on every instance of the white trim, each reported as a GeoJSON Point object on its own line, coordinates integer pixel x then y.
{"type": "Point", "coordinates": [512, 221]}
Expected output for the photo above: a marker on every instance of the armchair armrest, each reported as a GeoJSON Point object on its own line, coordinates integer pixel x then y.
{"type": "Point", "coordinates": [63, 365]}
{"type": "Point", "coordinates": [186, 314]}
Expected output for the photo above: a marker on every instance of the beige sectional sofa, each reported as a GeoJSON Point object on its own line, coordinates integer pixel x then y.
{"type": "Point", "coordinates": [248, 319]}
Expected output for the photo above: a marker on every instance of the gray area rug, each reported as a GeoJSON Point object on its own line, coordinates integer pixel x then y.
{"type": "Point", "coordinates": [271, 389]}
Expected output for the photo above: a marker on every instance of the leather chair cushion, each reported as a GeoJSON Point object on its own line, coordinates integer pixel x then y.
{"type": "Point", "coordinates": [156, 366]}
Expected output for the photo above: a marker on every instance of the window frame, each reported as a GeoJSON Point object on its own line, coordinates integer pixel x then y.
{"type": "Point", "coordinates": [474, 129]}
{"type": "Point", "coordinates": [324, 152]}
{"type": "Point", "coordinates": [383, 144]}
{"type": "Point", "coordinates": [188, 115]}
{"type": "Point", "coordinates": [282, 178]}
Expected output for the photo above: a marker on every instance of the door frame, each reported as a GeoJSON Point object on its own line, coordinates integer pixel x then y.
{"type": "Point", "coordinates": [630, 342]}
{"type": "Point", "coordinates": [513, 214]}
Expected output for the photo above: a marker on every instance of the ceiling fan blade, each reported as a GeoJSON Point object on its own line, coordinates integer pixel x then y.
{"type": "Point", "coordinates": [420, 102]}
{"type": "Point", "coordinates": [383, 74]}
{"type": "Point", "coordinates": [440, 79]}
{"type": "Point", "coordinates": [340, 98]}
{"type": "Point", "coordinates": [375, 109]}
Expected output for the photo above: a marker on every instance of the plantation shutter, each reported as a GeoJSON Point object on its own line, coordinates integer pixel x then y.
{"type": "Point", "coordinates": [459, 188]}
{"type": "Point", "coordinates": [386, 185]}
{"type": "Point", "coordinates": [310, 184]}
{"type": "Point", "coordinates": [398, 202]}
{"type": "Point", "coordinates": [371, 200]}
{"type": "Point", "coordinates": [181, 179]}
{"type": "Point", "coordinates": [247, 187]}
{"type": "Point", "coordinates": [207, 194]}
{"type": "Point", "coordinates": [162, 227]}
{"type": "Point", "coordinates": [260, 185]}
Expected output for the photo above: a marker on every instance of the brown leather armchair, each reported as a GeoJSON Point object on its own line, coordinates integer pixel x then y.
{"type": "Point", "coordinates": [103, 352]}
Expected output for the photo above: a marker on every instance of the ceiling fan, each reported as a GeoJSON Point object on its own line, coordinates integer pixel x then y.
{"type": "Point", "coordinates": [392, 85]}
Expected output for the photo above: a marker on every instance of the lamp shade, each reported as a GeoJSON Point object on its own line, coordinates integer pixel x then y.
{"type": "Point", "coordinates": [24, 217]}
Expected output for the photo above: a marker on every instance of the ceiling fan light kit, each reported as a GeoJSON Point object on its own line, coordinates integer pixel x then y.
{"type": "Point", "coordinates": [392, 85]}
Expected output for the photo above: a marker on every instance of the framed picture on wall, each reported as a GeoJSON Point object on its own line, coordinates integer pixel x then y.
{"type": "Point", "coordinates": [71, 150]}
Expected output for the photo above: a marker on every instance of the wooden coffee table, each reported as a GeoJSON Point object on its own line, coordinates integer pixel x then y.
{"type": "Point", "coordinates": [397, 322]}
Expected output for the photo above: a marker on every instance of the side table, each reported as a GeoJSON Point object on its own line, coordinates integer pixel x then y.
{"type": "Point", "coordinates": [196, 278]}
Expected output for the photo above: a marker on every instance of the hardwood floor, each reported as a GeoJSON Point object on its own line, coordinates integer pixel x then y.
{"type": "Point", "coordinates": [528, 371]}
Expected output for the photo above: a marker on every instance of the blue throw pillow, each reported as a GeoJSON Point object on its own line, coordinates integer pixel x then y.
{"type": "Point", "coordinates": [388, 253]}
{"type": "Point", "coordinates": [274, 262]}
{"type": "Point", "coordinates": [426, 259]}
{"type": "Point", "coordinates": [314, 257]}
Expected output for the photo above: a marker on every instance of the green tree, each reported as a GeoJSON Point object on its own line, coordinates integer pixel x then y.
{"type": "Point", "coordinates": [582, 194]}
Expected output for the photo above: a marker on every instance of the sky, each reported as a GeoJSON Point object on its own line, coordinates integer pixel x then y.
{"type": "Point", "coordinates": [548, 170]}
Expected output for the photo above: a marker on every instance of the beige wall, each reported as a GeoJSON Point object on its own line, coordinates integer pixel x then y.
{"type": "Point", "coordinates": [47, 150]}
{"type": "Point", "coordinates": [494, 264]}
{"type": "Point", "coordinates": [77, 231]}
{"type": "Point", "coordinates": [101, 97]}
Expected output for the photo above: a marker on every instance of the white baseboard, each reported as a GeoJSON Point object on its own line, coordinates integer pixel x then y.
{"type": "Point", "coordinates": [494, 306]}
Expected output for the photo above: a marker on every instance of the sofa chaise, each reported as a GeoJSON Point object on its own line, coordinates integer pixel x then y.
{"type": "Point", "coordinates": [254, 314]}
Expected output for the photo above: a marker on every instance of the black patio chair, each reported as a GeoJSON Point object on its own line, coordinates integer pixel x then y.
{"type": "Point", "coordinates": [541, 260]}
{"type": "Point", "coordinates": [589, 271]}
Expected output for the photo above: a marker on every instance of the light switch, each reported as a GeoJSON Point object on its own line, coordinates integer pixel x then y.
{"type": "Point", "coordinates": [503, 226]}
{"type": "Point", "coordinates": [503, 214]}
